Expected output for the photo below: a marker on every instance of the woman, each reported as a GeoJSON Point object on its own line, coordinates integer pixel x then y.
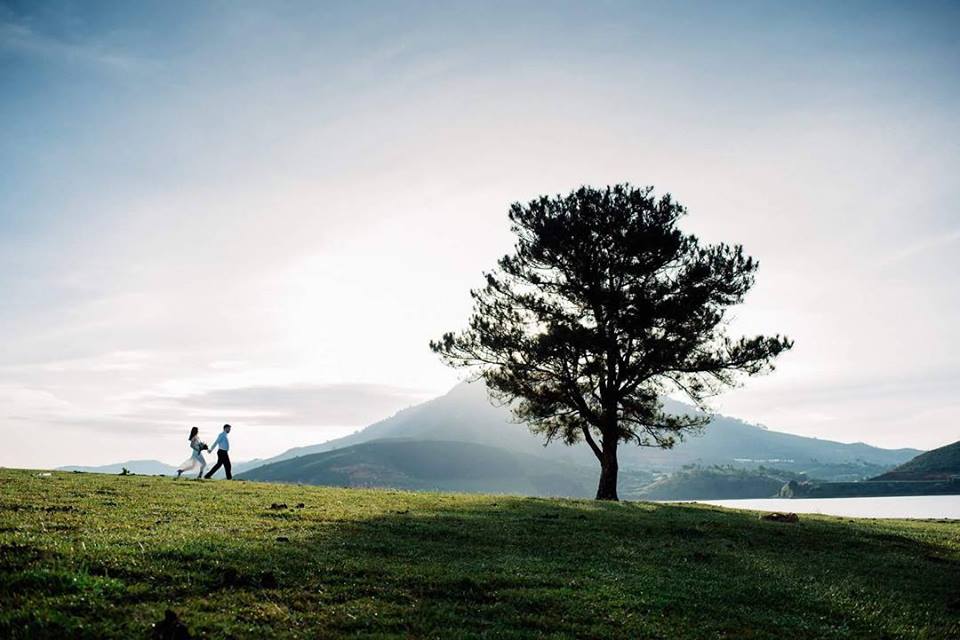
{"type": "Point", "coordinates": [197, 458]}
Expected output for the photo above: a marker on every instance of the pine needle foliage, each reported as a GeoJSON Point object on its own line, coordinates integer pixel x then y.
{"type": "Point", "coordinates": [604, 307]}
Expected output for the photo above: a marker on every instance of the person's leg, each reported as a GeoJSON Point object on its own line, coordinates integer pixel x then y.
{"type": "Point", "coordinates": [189, 465]}
{"type": "Point", "coordinates": [203, 465]}
{"type": "Point", "coordinates": [216, 466]}
{"type": "Point", "coordinates": [226, 464]}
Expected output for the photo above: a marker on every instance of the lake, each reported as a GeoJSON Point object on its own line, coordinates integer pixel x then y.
{"type": "Point", "coordinates": [893, 507]}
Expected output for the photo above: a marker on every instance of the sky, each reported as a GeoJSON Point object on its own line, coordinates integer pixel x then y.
{"type": "Point", "coordinates": [260, 213]}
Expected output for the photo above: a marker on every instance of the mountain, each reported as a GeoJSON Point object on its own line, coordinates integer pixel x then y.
{"type": "Point", "coordinates": [938, 464]}
{"type": "Point", "coordinates": [140, 467]}
{"type": "Point", "coordinates": [465, 414]}
{"type": "Point", "coordinates": [436, 466]}
{"type": "Point", "coordinates": [718, 483]}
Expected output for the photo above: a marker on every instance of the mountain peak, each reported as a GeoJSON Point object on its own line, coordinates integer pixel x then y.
{"type": "Point", "coordinates": [466, 414]}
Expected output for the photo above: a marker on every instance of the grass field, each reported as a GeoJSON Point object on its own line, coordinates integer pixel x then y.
{"type": "Point", "coordinates": [104, 556]}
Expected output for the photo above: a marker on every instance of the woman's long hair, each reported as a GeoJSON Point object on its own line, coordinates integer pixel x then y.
{"type": "Point", "coordinates": [194, 431]}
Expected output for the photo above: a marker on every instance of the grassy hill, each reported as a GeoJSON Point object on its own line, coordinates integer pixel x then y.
{"type": "Point", "coordinates": [96, 556]}
{"type": "Point", "coordinates": [939, 464]}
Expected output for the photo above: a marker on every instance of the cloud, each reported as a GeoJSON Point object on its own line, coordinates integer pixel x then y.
{"type": "Point", "coordinates": [303, 404]}
{"type": "Point", "coordinates": [109, 426]}
{"type": "Point", "coordinates": [47, 429]}
{"type": "Point", "coordinates": [890, 410]}
{"type": "Point", "coordinates": [212, 213]}
{"type": "Point", "coordinates": [928, 244]}
{"type": "Point", "coordinates": [21, 39]}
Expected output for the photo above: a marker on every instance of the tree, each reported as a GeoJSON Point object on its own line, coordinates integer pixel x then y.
{"type": "Point", "coordinates": [604, 307]}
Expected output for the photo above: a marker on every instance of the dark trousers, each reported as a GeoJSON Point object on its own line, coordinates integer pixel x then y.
{"type": "Point", "coordinates": [223, 460]}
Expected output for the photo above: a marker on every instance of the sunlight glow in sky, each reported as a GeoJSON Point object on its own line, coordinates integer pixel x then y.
{"type": "Point", "coordinates": [261, 213]}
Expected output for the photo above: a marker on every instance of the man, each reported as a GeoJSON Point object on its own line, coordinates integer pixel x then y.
{"type": "Point", "coordinates": [222, 445]}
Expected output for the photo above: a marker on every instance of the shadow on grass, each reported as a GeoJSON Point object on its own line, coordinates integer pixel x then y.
{"type": "Point", "coordinates": [394, 563]}
{"type": "Point", "coordinates": [533, 567]}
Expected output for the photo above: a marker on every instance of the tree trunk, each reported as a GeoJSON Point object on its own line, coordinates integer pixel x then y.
{"type": "Point", "coordinates": [607, 489]}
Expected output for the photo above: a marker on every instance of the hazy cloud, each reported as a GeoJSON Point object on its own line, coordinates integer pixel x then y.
{"type": "Point", "coordinates": [305, 404]}
{"type": "Point", "coordinates": [20, 39]}
{"type": "Point", "coordinates": [300, 196]}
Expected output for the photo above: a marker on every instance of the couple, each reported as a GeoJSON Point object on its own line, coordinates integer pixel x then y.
{"type": "Point", "coordinates": [221, 444]}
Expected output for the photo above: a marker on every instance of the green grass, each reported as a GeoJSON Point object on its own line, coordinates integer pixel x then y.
{"type": "Point", "coordinates": [103, 556]}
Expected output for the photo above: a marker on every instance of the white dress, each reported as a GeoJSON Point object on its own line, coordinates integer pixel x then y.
{"type": "Point", "coordinates": [197, 459]}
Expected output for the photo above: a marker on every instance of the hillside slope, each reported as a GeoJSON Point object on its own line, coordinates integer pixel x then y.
{"type": "Point", "coordinates": [434, 465]}
{"type": "Point", "coordinates": [939, 464]}
{"type": "Point", "coordinates": [96, 556]}
{"type": "Point", "coordinates": [465, 414]}
{"type": "Point", "coordinates": [717, 483]}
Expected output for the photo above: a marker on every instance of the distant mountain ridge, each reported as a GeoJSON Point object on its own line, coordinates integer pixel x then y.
{"type": "Point", "coordinates": [465, 414]}
{"type": "Point", "coordinates": [718, 483]}
{"type": "Point", "coordinates": [434, 465]}
{"type": "Point", "coordinates": [461, 442]}
{"type": "Point", "coordinates": [153, 467]}
{"type": "Point", "coordinates": [140, 467]}
{"type": "Point", "coordinates": [468, 425]}
{"type": "Point", "coordinates": [938, 464]}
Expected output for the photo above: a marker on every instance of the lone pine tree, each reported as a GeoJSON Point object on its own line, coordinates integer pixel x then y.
{"type": "Point", "coordinates": [604, 307]}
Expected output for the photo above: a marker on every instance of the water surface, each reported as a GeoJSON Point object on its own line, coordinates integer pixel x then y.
{"type": "Point", "coordinates": [923, 507]}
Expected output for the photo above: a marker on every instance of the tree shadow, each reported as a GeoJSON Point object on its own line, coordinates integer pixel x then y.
{"type": "Point", "coordinates": [532, 567]}
{"type": "Point", "coordinates": [403, 564]}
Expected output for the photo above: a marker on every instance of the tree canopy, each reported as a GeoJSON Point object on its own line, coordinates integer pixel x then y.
{"type": "Point", "coordinates": [604, 307]}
